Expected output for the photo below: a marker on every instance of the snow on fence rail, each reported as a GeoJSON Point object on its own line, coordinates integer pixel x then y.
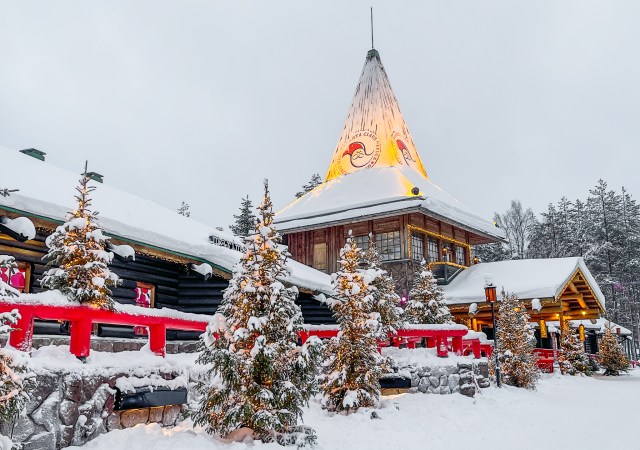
{"type": "Point", "coordinates": [54, 306]}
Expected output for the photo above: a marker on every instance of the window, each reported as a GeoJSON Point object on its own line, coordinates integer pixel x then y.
{"type": "Point", "coordinates": [432, 250]}
{"type": "Point", "coordinates": [388, 245]}
{"type": "Point", "coordinates": [320, 256]}
{"type": "Point", "coordinates": [18, 278]}
{"type": "Point", "coordinates": [417, 249]}
{"type": "Point", "coordinates": [362, 242]}
{"type": "Point", "coordinates": [460, 256]}
{"type": "Point", "coordinates": [145, 297]}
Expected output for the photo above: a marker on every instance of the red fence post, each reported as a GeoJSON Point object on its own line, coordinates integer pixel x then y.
{"type": "Point", "coordinates": [80, 342]}
{"type": "Point", "coordinates": [158, 339]}
{"type": "Point", "coordinates": [456, 344]}
{"type": "Point", "coordinates": [20, 337]}
{"type": "Point", "coordinates": [431, 342]}
{"type": "Point", "coordinates": [477, 352]}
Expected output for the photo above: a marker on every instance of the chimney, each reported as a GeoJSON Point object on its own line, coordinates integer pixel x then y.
{"type": "Point", "coordinates": [95, 176]}
{"type": "Point", "coordinates": [34, 153]}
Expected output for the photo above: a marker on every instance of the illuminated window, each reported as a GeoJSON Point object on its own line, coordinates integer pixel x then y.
{"type": "Point", "coordinates": [362, 242]}
{"type": "Point", "coordinates": [417, 247]}
{"type": "Point", "coordinates": [432, 250]}
{"type": "Point", "coordinates": [145, 298]}
{"type": "Point", "coordinates": [388, 245]}
{"type": "Point", "coordinates": [446, 252]}
{"type": "Point", "coordinates": [320, 256]}
{"type": "Point", "coordinates": [18, 278]}
{"type": "Point", "coordinates": [460, 256]}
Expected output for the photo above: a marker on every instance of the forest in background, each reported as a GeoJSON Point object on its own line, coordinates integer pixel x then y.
{"type": "Point", "coordinates": [603, 228]}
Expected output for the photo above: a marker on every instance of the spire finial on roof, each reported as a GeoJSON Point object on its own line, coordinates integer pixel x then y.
{"type": "Point", "coordinates": [372, 47]}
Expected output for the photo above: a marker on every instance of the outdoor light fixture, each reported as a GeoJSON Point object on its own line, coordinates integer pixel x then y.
{"type": "Point", "coordinates": [491, 298]}
{"type": "Point", "coordinates": [581, 332]}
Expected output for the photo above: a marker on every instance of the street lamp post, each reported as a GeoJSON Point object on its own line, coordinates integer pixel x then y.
{"type": "Point", "coordinates": [491, 298]}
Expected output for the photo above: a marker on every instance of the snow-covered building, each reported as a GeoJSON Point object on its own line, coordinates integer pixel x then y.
{"type": "Point", "coordinates": [164, 259]}
{"type": "Point", "coordinates": [376, 183]}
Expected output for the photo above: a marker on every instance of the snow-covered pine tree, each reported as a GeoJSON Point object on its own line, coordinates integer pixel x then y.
{"type": "Point", "coordinates": [8, 263]}
{"type": "Point", "coordinates": [385, 300]}
{"type": "Point", "coordinates": [515, 343]}
{"type": "Point", "coordinates": [610, 355]}
{"type": "Point", "coordinates": [426, 300]}
{"type": "Point", "coordinates": [495, 251]}
{"type": "Point", "coordinates": [353, 366]}
{"type": "Point", "coordinates": [573, 359]}
{"type": "Point", "coordinates": [183, 210]}
{"type": "Point", "coordinates": [245, 220]}
{"type": "Point", "coordinates": [315, 181]}
{"type": "Point", "coordinates": [14, 380]}
{"type": "Point", "coordinates": [259, 377]}
{"type": "Point", "coordinates": [77, 259]}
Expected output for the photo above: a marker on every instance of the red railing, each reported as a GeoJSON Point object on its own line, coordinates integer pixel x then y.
{"type": "Point", "coordinates": [82, 319]}
{"type": "Point", "coordinates": [436, 337]}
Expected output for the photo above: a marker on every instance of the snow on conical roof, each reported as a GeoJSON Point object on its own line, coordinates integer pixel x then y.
{"type": "Point", "coordinates": [375, 133]}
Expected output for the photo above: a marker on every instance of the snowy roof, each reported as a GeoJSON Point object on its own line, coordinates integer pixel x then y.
{"type": "Point", "coordinates": [375, 167]}
{"type": "Point", "coordinates": [48, 191]}
{"type": "Point", "coordinates": [377, 192]}
{"type": "Point", "coordinates": [526, 278]}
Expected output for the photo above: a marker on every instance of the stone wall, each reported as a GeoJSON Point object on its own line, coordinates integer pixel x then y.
{"type": "Point", "coordinates": [464, 378]}
{"type": "Point", "coordinates": [67, 408]}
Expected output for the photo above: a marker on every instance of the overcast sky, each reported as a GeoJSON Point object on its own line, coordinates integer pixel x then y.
{"type": "Point", "coordinates": [200, 100]}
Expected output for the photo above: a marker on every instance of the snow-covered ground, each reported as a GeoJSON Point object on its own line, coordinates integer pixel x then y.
{"type": "Point", "coordinates": [564, 413]}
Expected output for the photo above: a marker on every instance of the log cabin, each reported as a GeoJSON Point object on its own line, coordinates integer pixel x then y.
{"type": "Point", "coordinates": [162, 258]}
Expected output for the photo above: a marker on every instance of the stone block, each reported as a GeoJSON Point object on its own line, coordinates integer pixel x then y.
{"type": "Point", "coordinates": [133, 417]}
{"type": "Point", "coordinates": [445, 390]}
{"type": "Point", "coordinates": [452, 369]}
{"type": "Point", "coordinates": [23, 428]}
{"type": "Point", "coordinates": [465, 367]}
{"type": "Point", "coordinates": [113, 422]}
{"type": "Point", "coordinates": [170, 414]}
{"type": "Point", "coordinates": [443, 380]}
{"type": "Point", "coordinates": [41, 441]}
{"type": "Point", "coordinates": [424, 371]}
{"type": "Point", "coordinates": [66, 436]}
{"type": "Point", "coordinates": [424, 384]}
{"type": "Point", "coordinates": [454, 381]}
{"type": "Point", "coordinates": [435, 381]}
{"type": "Point", "coordinates": [68, 412]}
{"type": "Point", "coordinates": [468, 389]}
{"type": "Point", "coordinates": [415, 380]}
{"type": "Point", "coordinates": [155, 414]}
{"type": "Point", "coordinates": [433, 390]}
{"type": "Point", "coordinates": [72, 388]}
{"type": "Point", "coordinates": [43, 387]}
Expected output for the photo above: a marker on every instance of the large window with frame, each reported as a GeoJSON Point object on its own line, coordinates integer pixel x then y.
{"type": "Point", "coordinates": [145, 298]}
{"type": "Point", "coordinates": [388, 245]}
{"type": "Point", "coordinates": [446, 252]}
{"type": "Point", "coordinates": [460, 255]}
{"type": "Point", "coordinates": [17, 278]}
{"type": "Point", "coordinates": [432, 250]}
{"type": "Point", "coordinates": [417, 246]}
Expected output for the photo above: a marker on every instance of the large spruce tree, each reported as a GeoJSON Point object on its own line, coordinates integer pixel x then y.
{"type": "Point", "coordinates": [426, 300]}
{"type": "Point", "coordinates": [245, 220]}
{"type": "Point", "coordinates": [515, 343]}
{"type": "Point", "coordinates": [77, 258]}
{"type": "Point", "coordinates": [353, 365]}
{"type": "Point", "coordinates": [383, 289]}
{"type": "Point", "coordinates": [573, 360]}
{"type": "Point", "coordinates": [611, 357]}
{"type": "Point", "coordinates": [259, 377]}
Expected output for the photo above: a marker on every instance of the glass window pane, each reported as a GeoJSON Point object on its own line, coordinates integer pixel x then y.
{"type": "Point", "coordinates": [388, 245]}
{"type": "Point", "coordinates": [417, 252]}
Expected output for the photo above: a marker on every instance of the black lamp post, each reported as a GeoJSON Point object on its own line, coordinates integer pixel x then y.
{"type": "Point", "coordinates": [491, 298]}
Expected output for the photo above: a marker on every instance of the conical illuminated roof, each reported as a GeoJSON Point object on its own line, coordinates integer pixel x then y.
{"type": "Point", "coordinates": [375, 133]}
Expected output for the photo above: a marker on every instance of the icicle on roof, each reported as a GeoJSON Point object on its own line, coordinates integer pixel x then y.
{"type": "Point", "coordinates": [375, 133]}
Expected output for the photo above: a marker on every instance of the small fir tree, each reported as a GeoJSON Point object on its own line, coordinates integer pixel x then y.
{"type": "Point", "coordinates": [353, 365]}
{"type": "Point", "coordinates": [14, 379]}
{"type": "Point", "coordinates": [259, 378]}
{"type": "Point", "coordinates": [573, 359]}
{"type": "Point", "coordinates": [245, 220]}
{"type": "Point", "coordinates": [77, 259]}
{"type": "Point", "coordinates": [184, 209]}
{"type": "Point", "coordinates": [315, 181]}
{"type": "Point", "coordinates": [385, 300]}
{"type": "Point", "coordinates": [515, 343]}
{"type": "Point", "coordinates": [8, 266]}
{"type": "Point", "coordinates": [426, 300]}
{"type": "Point", "coordinates": [611, 356]}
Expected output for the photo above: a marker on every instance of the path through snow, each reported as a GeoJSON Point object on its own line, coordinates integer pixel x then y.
{"type": "Point", "coordinates": [564, 413]}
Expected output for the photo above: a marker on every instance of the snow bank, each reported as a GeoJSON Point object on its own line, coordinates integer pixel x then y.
{"type": "Point", "coordinates": [425, 357]}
